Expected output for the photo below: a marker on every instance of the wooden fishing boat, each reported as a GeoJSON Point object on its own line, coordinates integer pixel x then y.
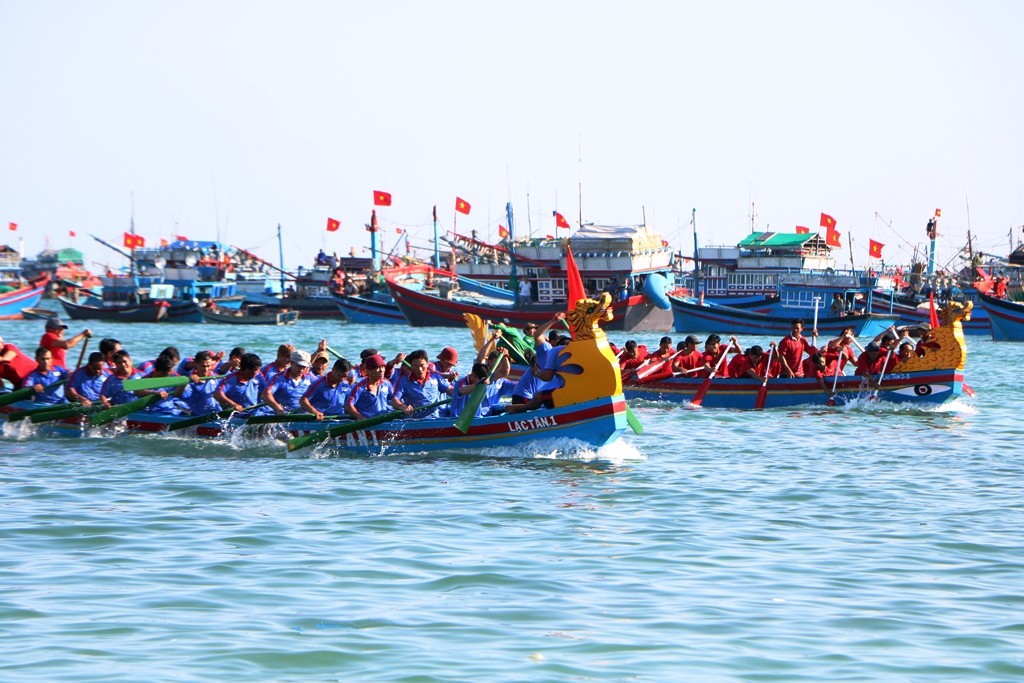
{"type": "Point", "coordinates": [934, 378]}
{"type": "Point", "coordinates": [1006, 318]}
{"type": "Point", "coordinates": [378, 308]}
{"type": "Point", "coordinates": [12, 303]}
{"type": "Point", "coordinates": [690, 315]}
{"type": "Point", "coordinates": [589, 411]}
{"type": "Point", "coordinates": [38, 313]}
{"type": "Point", "coordinates": [250, 315]}
{"type": "Point", "coordinates": [146, 312]}
{"type": "Point", "coordinates": [444, 306]}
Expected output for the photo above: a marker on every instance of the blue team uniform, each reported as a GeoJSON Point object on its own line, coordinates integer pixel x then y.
{"type": "Point", "coordinates": [50, 395]}
{"type": "Point", "coordinates": [327, 399]}
{"type": "Point", "coordinates": [417, 394]}
{"type": "Point", "coordinates": [368, 404]}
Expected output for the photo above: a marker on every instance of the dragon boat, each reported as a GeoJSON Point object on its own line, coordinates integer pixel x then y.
{"type": "Point", "coordinates": [589, 410]}
{"type": "Point", "coordinates": [930, 379]}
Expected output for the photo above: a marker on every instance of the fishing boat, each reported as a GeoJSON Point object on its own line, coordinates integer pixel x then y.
{"type": "Point", "coordinates": [376, 308]}
{"type": "Point", "coordinates": [13, 302]}
{"type": "Point", "coordinates": [93, 308]}
{"type": "Point", "coordinates": [38, 313]}
{"type": "Point", "coordinates": [1006, 318]}
{"type": "Point", "coordinates": [249, 315]}
{"type": "Point", "coordinates": [933, 378]}
{"type": "Point", "coordinates": [692, 315]}
{"type": "Point", "coordinates": [589, 410]}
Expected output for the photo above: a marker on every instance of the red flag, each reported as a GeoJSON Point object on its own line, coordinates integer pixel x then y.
{"type": "Point", "coordinates": [938, 212]}
{"type": "Point", "coordinates": [12, 226]}
{"type": "Point", "coordinates": [933, 316]}
{"type": "Point", "coordinates": [827, 221]}
{"type": "Point", "coordinates": [502, 231]}
{"type": "Point", "coordinates": [381, 198]}
{"type": "Point", "coordinates": [163, 242]}
{"type": "Point", "coordinates": [461, 205]}
{"type": "Point", "coordinates": [399, 230]}
{"type": "Point", "coordinates": [875, 249]}
{"type": "Point", "coordinates": [129, 240]}
{"type": "Point", "coordinates": [560, 221]}
{"type": "Point", "coordinates": [832, 238]}
{"type": "Point", "coordinates": [181, 238]}
{"type": "Point", "coordinates": [71, 233]}
{"type": "Point", "coordinates": [572, 275]}
{"type": "Point", "coordinates": [801, 230]}
{"type": "Point", "coordinates": [333, 225]}
{"type": "Point", "coordinates": [140, 241]}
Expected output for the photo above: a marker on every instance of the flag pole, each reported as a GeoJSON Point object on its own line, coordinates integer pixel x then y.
{"type": "Point", "coordinates": [437, 253]}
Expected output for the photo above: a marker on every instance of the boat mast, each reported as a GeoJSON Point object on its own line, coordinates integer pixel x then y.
{"type": "Point", "coordinates": [696, 255]}
{"type": "Point", "coordinates": [513, 279]}
{"type": "Point", "coordinates": [280, 254]}
{"type": "Point", "coordinates": [372, 227]}
{"type": "Point", "coordinates": [933, 231]}
{"type": "Point", "coordinates": [437, 253]}
{"type": "Point", "coordinates": [131, 259]}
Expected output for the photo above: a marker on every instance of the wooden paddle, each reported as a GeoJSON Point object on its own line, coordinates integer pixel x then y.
{"type": "Point", "coordinates": [119, 411]}
{"type": "Point", "coordinates": [835, 379]}
{"type": "Point", "coordinates": [648, 367]}
{"type": "Point", "coordinates": [881, 375]}
{"type": "Point", "coordinates": [333, 432]}
{"type": "Point", "coordinates": [209, 417]}
{"type": "Point", "coordinates": [292, 417]}
{"type": "Point", "coordinates": [699, 397]}
{"type": "Point", "coordinates": [81, 356]}
{"type": "Point", "coordinates": [164, 382]}
{"type": "Point", "coordinates": [67, 410]}
{"type": "Point", "coordinates": [25, 393]}
{"type": "Point", "coordinates": [762, 393]}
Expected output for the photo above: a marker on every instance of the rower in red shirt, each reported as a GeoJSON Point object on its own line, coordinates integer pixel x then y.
{"type": "Point", "coordinates": [745, 365]}
{"type": "Point", "coordinates": [792, 348]}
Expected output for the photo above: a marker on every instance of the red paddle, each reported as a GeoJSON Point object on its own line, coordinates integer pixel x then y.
{"type": "Point", "coordinates": [707, 382]}
{"type": "Point", "coordinates": [762, 393]}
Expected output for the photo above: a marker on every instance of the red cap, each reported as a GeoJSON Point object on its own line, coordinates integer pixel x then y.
{"type": "Point", "coordinates": [374, 361]}
{"type": "Point", "coordinates": [449, 355]}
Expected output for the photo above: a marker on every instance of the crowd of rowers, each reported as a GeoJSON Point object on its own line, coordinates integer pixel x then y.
{"type": "Point", "coordinates": [295, 381]}
{"type": "Point", "coordinates": [793, 356]}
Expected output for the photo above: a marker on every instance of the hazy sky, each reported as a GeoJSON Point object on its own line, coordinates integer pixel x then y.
{"type": "Point", "coordinates": [231, 117]}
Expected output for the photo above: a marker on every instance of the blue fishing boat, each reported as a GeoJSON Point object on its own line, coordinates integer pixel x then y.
{"type": "Point", "coordinates": [1006, 318]}
{"type": "Point", "coordinates": [691, 315]}
{"type": "Point", "coordinates": [376, 308]}
{"type": "Point", "coordinates": [29, 296]}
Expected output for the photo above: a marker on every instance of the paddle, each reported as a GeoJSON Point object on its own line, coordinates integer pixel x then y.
{"type": "Point", "coordinates": [333, 432]}
{"type": "Point", "coordinates": [699, 397]}
{"type": "Point", "coordinates": [814, 330]}
{"type": "Point", "coordinates": [835, 380]}
{"type": "Point", "coordinates": [881, 375]}
{"type": "Point", "coordinates": [633, 421]}
{"type": "Point", "coordinates": [22, 414]}
{"type": "Point", "coordinates": [209, 417]}
{"type": "Point", "coordinates": [164, 382]}
{"type": "Point", "coordinates": [81, 356]}
{"type": "Point", "coordinates": [67, 410]}
{"type": "Point", "coordinates": [291, 417]}
{"type": "Point", "coordinates": [119, 411]}
{"type": "Point", "coordinates": [465, 418]}
{"type": "Point", "coordinates": [762, 393]}
{"type": "Point", "coordinates": [649, 367]}
{"type": "Point", "coordinates": [24, 393]}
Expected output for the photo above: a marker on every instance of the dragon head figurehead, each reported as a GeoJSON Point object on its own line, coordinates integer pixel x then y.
{"type": "Point", "coordinates": [588, 365]}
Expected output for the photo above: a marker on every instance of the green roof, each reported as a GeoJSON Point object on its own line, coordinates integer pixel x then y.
{"type": "Point", "coordinates": [775, 240]}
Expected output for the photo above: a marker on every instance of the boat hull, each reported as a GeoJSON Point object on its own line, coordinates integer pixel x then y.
{"type": "Point", "coordinates": [12, 303]}
{"type": "Point", "coordinates": [912, 316]}
{"type": "Point", "coordinates": [149, 312]}
{"type": "Point", "coordinates": [929, 387]}
{"type": "Point", "coordinates": [423, 309]}
{"type": "Point", "coordinates": [286, 318]}
{"type": "Point", "coordinates": [592, 423]}
{"type": "Point", "coordinates": [1006, 318]}
{"type": "Point", "coordinates": [692, 317]}
{"type": "Point", "coordinates": [365, 311]}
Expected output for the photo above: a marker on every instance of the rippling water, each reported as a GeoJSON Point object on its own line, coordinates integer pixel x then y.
{"type": "Point", "coordinates": [858, 544]}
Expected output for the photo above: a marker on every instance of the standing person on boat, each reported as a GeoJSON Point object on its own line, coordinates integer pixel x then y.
{"type": "Point", "coordinates": [792, 348]}
{"type": "Point", "coordinates": [372, 395]}
{"type": "Point", "coordinates": [327, 395]}
{"type": "Point", "coordinates": [242, 388]}
{"type": "Point", "coordinates": [838, 308]}
{"type": "Point", "coordinates": [86, 382]}
{"type": "Point", "coordinates": [113, 392]}
{"type": "Point", "coordinates": [280, 363]}
{"type": "Point", "coordinates": [524, 291]}
{"type": "Point", "coordinates": [747, 364]}
{"type": "Point", "coordinates": [285, 391]}
{"type": "Point", "coordinates": [198, 394]}
{"type": "Point", "coordinates": [44, 376]}
{"type": "Point", "coordinates": [53, 339]}
{"type": "Point", "coordinates": [15, 364]}
{"type": "Point", "coordinates": [419, 388]}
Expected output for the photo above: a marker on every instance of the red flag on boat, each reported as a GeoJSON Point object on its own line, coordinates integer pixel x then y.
{"type": "Point", "coordinates": [71, 233]}
{"type": "Point", "coordinates": [163, 242]}
{"type": "Point", "coordinates": [575, 282]}
{"type": "Point", "coordinates": [502, 231]}
{"type": "Point", "coordinates": [12, 226]}
{"type": "Point", "coordinates": [333, 225]}
{"type": "Point", "coordinates": [875, 249]}
{"type": "Point", "coordinates": [399, 231]}
{"type": "Point", "coordinates": [560, 221]}
{"type": "Point", "coordinates": [133, 241]}
{"type": "Point", "coordinates": [832, 236]}
{"type": "Point", "coordinates": [801, 230]}
{"type": "Point", "coordinates": [461, 205]}
{"type": "Point", "coordinates": [181, 238]}
{"type": "Point", "coordinates": [381, 198]}
{"type": "Point", "coordinates": [938, 212]}
{"type": "Point", "coordinates": [933, 315]}
{"type": "Point", "coordinates": [827, 221]}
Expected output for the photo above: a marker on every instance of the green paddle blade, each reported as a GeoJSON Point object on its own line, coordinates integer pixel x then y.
{"type": "Point", "coordinates": [465, 418]}
{"type": "Point", "coordinates": [24, 394]}
{"type": "Point", "coordinates": [163, 382]}
{"type": "Point", "coordinates": [69, 410]}
{"type": "Point", "coordinates": [633, 421]}
{"type": "Point", "coordinates": [117, 412]}
{"type": "Point", "coordinates": [210, 417]}
{"type": "Point", "coordinates": [334, 432]}
{"type": "Point", "coordinates": [285, 417]}
{"type": "Point", "coordinates": [23, 414]}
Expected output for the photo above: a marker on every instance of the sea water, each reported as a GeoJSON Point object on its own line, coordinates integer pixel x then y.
{"type": "Point", "coordinates": [864, 543]}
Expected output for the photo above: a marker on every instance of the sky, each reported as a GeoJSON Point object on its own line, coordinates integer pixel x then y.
{"type": "Point", "coordinates": [222, 120]}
